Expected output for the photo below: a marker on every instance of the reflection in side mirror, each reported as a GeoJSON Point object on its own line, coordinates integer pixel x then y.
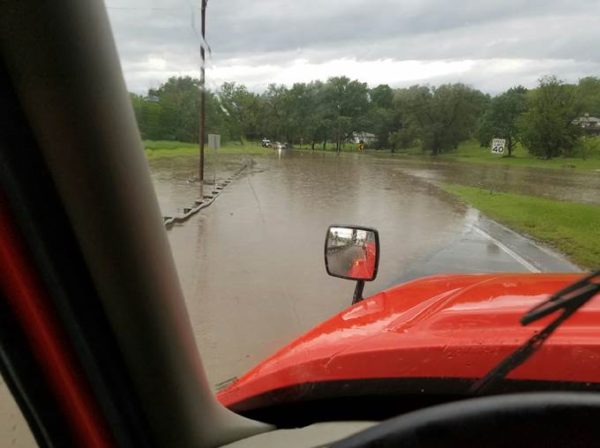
{"type": "Point", "coordinates": [352, 252]}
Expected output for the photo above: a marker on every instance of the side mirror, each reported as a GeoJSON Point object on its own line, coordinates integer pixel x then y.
{"type": "Point", "coordinates": [352, 252]}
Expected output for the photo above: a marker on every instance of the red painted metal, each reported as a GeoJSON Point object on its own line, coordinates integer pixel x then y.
{"type": "Point", "coordinates": [21, 287]}
{"type": "Point", "coordinates": [445, 326]}
{"type": "Point", "coordinates": [363, 268]}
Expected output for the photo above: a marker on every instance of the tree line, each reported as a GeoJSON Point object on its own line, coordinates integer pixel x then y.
{"type": "Point", "coordinates": [434, 118]}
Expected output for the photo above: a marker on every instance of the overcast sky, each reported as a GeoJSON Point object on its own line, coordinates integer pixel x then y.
{"type": "Point", "coordinates": [490, 45]}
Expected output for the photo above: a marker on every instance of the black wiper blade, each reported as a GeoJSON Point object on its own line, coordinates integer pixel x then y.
{"type": "Point", "coordinates": [573, 296]}
{"type": "Point", "coordinates": [568, 299]}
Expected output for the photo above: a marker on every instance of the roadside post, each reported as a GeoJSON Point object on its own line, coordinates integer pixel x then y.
{"type": "Point", "coordinates": [498, 145]}
{"type": "Point", "coordinates": [214, 143]}
{"type": "Point", "coordinates": [202, 99]}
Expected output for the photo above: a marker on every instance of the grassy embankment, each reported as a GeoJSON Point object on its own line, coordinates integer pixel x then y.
{"type": "Point", "coordinates": [168, 148]}
{"type": "Point", "coordinates": [161, 148]}
{"type": "Point", "coordinates": [468, 152]}
{"type": "Point", "coordinates": [584, 157]}
{"type": "Point", "coordinates": [471, 152]}
{"type": "Point", "coordinates": [571, 228]}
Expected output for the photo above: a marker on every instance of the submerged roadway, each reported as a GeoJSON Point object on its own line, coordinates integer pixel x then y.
{"type": "Point", "coordinates": [252, 265]}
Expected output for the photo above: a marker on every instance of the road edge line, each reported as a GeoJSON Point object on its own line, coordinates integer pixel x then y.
{"type": "Point", "coordinates": [526, 264]}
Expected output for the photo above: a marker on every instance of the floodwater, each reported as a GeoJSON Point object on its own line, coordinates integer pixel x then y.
{"type": "Point", "coordinates": [563, 184]}
{"type": "Point", "coordinates": [176, 179]}
{"type": "Point", "coordinates": [251, 264]}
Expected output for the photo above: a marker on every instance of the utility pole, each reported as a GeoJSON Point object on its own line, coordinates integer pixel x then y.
{"type": "Point", "coordinates": [202, 135]}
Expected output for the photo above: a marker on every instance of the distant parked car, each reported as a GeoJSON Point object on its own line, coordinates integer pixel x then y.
{"type": "Point", "coordinates": [265, 143]}
{"type": "Point", "coordinates": [278, 145]}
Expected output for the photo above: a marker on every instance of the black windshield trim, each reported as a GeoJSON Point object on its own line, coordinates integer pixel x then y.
{"type": "Point", "coordinates": [375, 399]}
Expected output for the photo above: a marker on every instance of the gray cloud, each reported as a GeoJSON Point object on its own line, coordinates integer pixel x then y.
{"type": "Point", "coordinates": [157, 39]}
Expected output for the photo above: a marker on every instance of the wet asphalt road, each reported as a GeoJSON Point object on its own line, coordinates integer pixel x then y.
{"type": "Point", "coordinates": [251, 264]}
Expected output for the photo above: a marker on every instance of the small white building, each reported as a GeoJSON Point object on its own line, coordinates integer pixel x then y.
{"type": "Point", "coordinates": [589, 124]}
{"type": "Point", "coordinates": [365, 137]}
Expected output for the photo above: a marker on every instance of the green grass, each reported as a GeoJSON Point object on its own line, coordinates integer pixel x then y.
{"type": "Point", "coordinates": [166, 148]}
{"type": "Point", "coordinates": [161, 148]}
{"type": "Point", "coordinates": [571, 228]}
{"type": "Point", "coordinates": [471, 152]}
{"type": "Point", "coordinates": [330, 147]}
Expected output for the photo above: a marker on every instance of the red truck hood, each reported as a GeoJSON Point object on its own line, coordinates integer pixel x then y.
{"type": "Point", "coordinates": [444, 326]}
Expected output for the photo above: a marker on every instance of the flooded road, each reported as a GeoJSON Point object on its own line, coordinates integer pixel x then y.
{"type": "Point", "coordinates": [562, 184]}
{"type": "Point", "coordinates": [251, 264]}
{"type": "Point", "coordinates": [176, 179]}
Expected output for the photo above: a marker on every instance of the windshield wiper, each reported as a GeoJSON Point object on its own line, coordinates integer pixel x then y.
{"type": "Point", "coordinates": [569, 300]}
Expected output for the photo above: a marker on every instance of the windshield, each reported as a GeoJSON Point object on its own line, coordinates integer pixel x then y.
{"type": "Point", "coordinates": [466, 133]}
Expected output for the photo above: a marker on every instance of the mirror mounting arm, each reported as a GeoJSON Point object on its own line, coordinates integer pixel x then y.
{"type": "Point", "coordinates": [358, 292]}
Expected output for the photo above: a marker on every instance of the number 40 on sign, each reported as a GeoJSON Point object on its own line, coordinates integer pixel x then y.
{"type": "Point", "coordinates": [498, 145]}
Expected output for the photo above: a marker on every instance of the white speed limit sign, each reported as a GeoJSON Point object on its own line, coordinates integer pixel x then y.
{"type": "Point", "coordinates": [498, 145]}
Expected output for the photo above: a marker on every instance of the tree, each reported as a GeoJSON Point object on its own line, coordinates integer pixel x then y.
{"type": "Point", "coordinates": [547, 128]}
{"type": "Point", "coordinates": [587, 95]}
{"type": "Point", "coordinates": [404, 124]}
{"type": "Point", "coordinates": [147, 114]}
{"type": "Point", "coordinates": [442, 116]}
{"type": "Point", "coordinates": [315, 123]}
{"type": "Point", "coordinates": [381, 123]}
{"type": "Point", "coordinates": [382, 96]}
{"type": "Point", "coordinates": [500, 118]}
{"type": "Point", "coordinates": [303, 109]}
{"type": "Point", "coordinates": [381, 114]}
{"type": "Point", "coordinates": [275, 114]}
{"type": "Point", "coordinates": [216, 118]}
{"type": "Point", "coordinates": [241, 110]}
{"type": "Point", "coordinates": [403, 138]}
{"type": "Point", "coordinates": [151, 127]}
{"type": "Point", "coordinates": [178, 101]}
{"type": "Point", "coordinates": [346, 105]}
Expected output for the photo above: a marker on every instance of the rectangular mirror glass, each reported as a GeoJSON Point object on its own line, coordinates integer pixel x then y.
{"type": "Point", "coordinates": [352, 252]}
